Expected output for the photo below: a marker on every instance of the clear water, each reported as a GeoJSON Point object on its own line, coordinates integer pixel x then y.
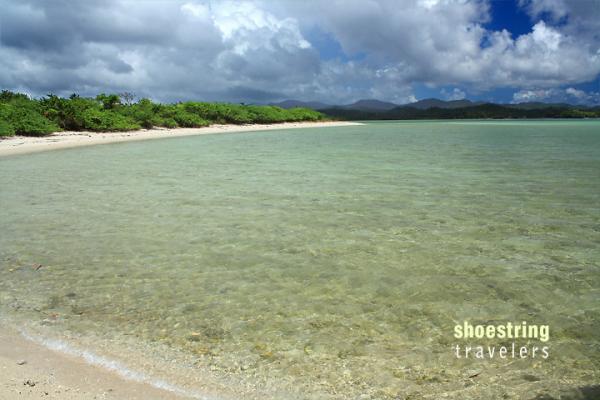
{"type": "Point", "coordinates": [320, 263]}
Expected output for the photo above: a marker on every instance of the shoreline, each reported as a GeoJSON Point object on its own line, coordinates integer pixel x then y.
{"type": "Point", "coordinates": [38, 360]}
{"type": "Point", "coordinates": [14, 145]}
{"type": "Point", "coordinates": [31, 370]}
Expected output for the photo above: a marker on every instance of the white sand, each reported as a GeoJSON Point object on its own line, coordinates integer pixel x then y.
{"type": "Point", "coordinates": [62, 140]}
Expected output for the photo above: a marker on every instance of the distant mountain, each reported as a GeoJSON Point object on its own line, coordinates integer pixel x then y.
{"type": "Point", "coordinates": [369, 105]}
{"type": "Point", "coordinates": [537, 105]}
{"type": "Point", "coordinates": [437, 103]}
{"type": "Point", "coordinates": [373, 106]}
{"type": "Point", "coordinates": [474, 111]}
{"type": "Point", "coordinates": [378, 105]}
{"type": "Point", "coordinates": [315, 105]}
{"type": "Point", "coordinates": [363, 105]}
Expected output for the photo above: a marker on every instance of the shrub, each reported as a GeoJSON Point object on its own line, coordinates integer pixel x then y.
{"type": "Point", "coordinates": [109, 102]}
{"type": "Point", "coordinates": [163, 115]}
{"type": "Point", "coordinates": [29, 123]}
{"type": "Point", "coordinates": [267, 114]}
{"type": "Point", "coordinates": [70, 113]}
{"type": "Point", "coordinates": [104, 121]}
{"type": "Point", "coordinates": [189, 120]}
{"type": "Point", "coordinates": [219, 112]}
{"type": "Point", "coordinates": [183, 118]}
{"type": "Point", "coordinates": [165, 122]}
{"type": "Point", "coordinates": [143, 113]}
{"type": "Point", "coordinates": [149, 114]}
{"type": "Point", "coordinates": [6, 96]}
{"type": "Point", "coordinates": [305, 114]}
{"type": "Point", "coordinates": [6, 129]}
{"type": "Point", "coordinates": [22, 117]}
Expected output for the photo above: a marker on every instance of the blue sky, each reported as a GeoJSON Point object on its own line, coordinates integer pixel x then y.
{"type": "Point", "coordinates": [335, 51]}
{"type": "Point", "coordinates": [507, 14]}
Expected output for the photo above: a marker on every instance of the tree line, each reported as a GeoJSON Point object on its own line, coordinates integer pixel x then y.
{"type": "Point", "coordinates": [23, 115]}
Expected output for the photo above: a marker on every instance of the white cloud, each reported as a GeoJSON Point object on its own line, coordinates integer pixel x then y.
{"type": "Point", "coordinates": [580, 94]}
{"type": "Point", "coordinates": [556, 95]}
{"type": "Point", "coordinates": [168, 49]}
{"type": "Point", "coordinates": [247, 26]}
{"type": "Point", "coordinates": [440, 43]}
{"type": "Point", "coordinates": [543, 37]}
{"type": "Point", "coordinates": [454, 94]}
{"type": "Point", "coordinates": [577, 18]}
{"type": "Point", "coordinates": [556, 8]}
{"type": "Point", "coordinates": [524, 96]}
{"type": "Point", "coordinates": [260, 50]}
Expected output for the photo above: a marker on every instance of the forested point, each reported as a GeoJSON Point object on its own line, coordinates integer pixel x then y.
{"type": "Point", "coordinates": [23, 115]}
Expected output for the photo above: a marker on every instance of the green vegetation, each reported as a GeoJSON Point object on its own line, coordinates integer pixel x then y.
{"type": "Point", "coordinates": [482, 111]}
{"type": "Point", "coordinates": [19, 115]}
{"type": "Point", "coordinates": [22, 115]}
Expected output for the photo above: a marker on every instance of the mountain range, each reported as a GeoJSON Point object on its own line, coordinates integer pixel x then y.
{"type": "Point", "coordinates": [441, 109]}
{"type": "Point", "coordinates": [373, 105]}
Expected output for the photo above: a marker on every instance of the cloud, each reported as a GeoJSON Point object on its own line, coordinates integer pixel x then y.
{"type": "Point", "coordinates": [454, 94]}
{"type": "Point", "coordinates": [440, 43]}
{"type": "Point", "coordinates": [524, 96]}
{"type": "Point", "coordinates": [167, 49]}
{"type": "Point", "coordinates": [556, 8]}
{"type": "Point", "coordinates": [260, 50]}
{"type": "Point", "coordinates": [577, 19]}
{"type": "Point", "coordinates": [580, 94]}
{"type": "Point", "coordinates": [555, 95]}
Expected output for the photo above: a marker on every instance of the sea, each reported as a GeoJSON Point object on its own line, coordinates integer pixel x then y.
{"type": "Point", "coordinates": [317, 263]}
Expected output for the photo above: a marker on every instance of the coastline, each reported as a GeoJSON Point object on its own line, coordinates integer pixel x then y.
{"type": "Point", "coordinates": [39, 360]}
{"type": "Point", "coordinates": [30, 371]}
{"type": "Point", "coordinates": [14, 145]}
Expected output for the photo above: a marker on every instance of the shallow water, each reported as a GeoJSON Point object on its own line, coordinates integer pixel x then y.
{"type": "Point", "coordinates": [321, 263]}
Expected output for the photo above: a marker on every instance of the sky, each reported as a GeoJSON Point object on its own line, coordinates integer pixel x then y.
{"type": "Point", "coordinates": [334, 51]}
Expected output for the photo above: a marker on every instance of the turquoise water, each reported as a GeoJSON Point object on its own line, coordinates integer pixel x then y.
{"type": "Point", "coordinates": [320, 263]}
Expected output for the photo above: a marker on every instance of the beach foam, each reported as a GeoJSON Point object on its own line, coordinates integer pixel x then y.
{"type": "Point", "coordinates": [117, 367]}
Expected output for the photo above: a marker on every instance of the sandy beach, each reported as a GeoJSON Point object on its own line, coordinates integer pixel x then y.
{"type": "Point", "coordinates": [61, 140]}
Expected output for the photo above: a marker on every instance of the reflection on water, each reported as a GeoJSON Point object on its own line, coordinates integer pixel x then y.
{"type": "Point", "coordinates": [321, 263]}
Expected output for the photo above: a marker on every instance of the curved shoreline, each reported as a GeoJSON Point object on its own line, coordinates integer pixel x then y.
{"type": "Point", "coordinates": [14, 145]}
{"type": "Point", "coordinates": [52, 367]}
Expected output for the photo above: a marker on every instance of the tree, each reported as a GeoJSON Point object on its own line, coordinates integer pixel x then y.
{"type": "Point", "coordinates": [128, 98]}
{"type": "Point", "coordinates": [109, 102]}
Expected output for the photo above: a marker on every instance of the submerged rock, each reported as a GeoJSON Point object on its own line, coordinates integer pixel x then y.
{"type": "Point", "coordinates": [194, 337]}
